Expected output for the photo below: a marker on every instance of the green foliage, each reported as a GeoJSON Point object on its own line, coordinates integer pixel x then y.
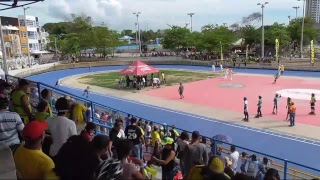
{"type": "Point", "coordinates": [215, 36]}
{"type": "Point", "coordinates": [176, 37]}
{"type": "Point", "coordinates": [310, 32]}
{"type": "Point", "coordinates": [277, 31]}
{"type": "Point", "coordinates": [79, 34]}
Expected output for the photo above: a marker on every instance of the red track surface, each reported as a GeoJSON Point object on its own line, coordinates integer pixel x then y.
{"type": "Point", "coordinates": [210, 93]}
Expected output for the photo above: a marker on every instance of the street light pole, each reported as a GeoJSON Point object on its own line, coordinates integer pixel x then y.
{"type": "Point", "coordinates": [296, 8]}
{"type": "Point", "coordinates": [302, 28]}
{"type": "Point", "coordinates": [139, 35]}
{"type": "Point", "coordinates": [27, 36]}
{"type": "Point", "coordinates": [191, 14]}
{"type": "Point", "coordinates": [289, 17]}
{"type": "Point", "coordinates": [262, 28]}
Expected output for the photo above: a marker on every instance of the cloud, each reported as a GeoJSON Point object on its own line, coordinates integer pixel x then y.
{"type": "Point", "coordinates": [118, 14]}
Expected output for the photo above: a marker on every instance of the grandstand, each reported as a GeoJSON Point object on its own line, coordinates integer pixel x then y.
{"type": "Point", "coordinates": [287, 169]}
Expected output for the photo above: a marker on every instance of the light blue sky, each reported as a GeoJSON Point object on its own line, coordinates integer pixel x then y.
{"type": "Point", "coordinates": [117, 14]}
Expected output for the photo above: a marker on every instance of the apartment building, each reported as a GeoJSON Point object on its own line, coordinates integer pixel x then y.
{"type": "Point", "coordinates": [313, 10]}
{"type": "Point", "coordinates": [11, 36]}
{"type": "Point", "coordinates": [31, 30]}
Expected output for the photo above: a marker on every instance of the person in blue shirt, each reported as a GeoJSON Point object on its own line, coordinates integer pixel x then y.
{"type": "Point", "coordinates": [275, 103]}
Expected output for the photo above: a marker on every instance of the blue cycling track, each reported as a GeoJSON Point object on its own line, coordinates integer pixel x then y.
{"type": "Point", "coordinates": [299, 150]}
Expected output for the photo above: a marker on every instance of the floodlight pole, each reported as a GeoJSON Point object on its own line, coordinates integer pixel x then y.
{"type": "Point", "coordinates": [262, 28]}
{"type": "Point", "coordinates": [191, 15]}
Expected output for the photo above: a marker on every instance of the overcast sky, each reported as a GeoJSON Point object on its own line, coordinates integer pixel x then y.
{"type": "Point", "coordinates": [117, 14]}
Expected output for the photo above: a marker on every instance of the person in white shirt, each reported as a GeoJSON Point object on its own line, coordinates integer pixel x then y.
{"type": "Point", "coordinates": [60, 127]}
{"type": "Point", "coordinates": [154, 82]}
{"type": "Point", "coordinates": [143, 81]}
{"type": "Point", "coordinates": [221, 67]}
{"type": "Point", "coordinates": [234, 157]}
{"type": "Point", "coordinates": [11, 124]}
{"type": "Point", "coordinates": [213, 68]}
{"type": "Point", "coordinates": [245, 110]}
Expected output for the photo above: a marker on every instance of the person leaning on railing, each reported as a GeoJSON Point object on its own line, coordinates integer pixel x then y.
{"type": "Point", "coordinates": [21, 101]}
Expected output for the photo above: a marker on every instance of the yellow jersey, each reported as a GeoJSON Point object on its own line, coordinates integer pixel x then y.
{"type": "Point", "coordinates": [78, 111]}
{"type": "Point", "coordinates": [154, 136]}
{"type": "Point", "coordinates": [32, 164]}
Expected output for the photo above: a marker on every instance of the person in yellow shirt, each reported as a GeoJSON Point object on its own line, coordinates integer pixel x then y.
{"type": "Point", "coordinates": [46, 95]}
{"type": "Point", "coordinates": [163, 78]}
{"type": "Point", "coordinates": [31, 162]}
{"type": "Point", "coordinates": [281, 70]}
{"type": "Point", "coordinates": [76, 113]}
{"type": "Point", "coordinates": [313, 104]}
{"type": "Point", "coordinates": [42, 111]}
{"type": "Point", "coordinates": [21, 101]}
{"type": "Point", "coordinates": [155, 136]}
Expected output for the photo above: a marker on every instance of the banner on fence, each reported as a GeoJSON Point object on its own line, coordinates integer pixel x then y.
{"type": "Point", "coordinates": [277, 51]}
{"type": "Point", "coordinates": [312, 51]}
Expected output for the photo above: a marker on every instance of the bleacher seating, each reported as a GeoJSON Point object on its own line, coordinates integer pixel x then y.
{"type": "Point", "coordinates": [277, 163]}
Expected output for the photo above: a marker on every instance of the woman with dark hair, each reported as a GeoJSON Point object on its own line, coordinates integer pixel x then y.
{"type": "Point", "coordinates": [167, 159]}
{"type": "Point", "coordinates": [130, 171]}
{"type": "Point", "coordinates": [183, 142]}
{"type": "Point", "coordinates": [77, 159]}
{"type": "Point", "coordinates": [272, 174]}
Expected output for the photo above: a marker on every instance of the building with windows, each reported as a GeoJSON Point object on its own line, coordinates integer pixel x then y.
{"type": "Point", "coordinates": [11, 36]}
{"type": "Point", "coordinates": [31, 30]}
{"type": "Point", "coordinates": [313, 10]}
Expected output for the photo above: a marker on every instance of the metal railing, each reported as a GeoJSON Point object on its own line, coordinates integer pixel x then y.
{"type": "Point", "coordinates": [287, 169]}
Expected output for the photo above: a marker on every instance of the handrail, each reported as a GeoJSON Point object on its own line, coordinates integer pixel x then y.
{"type": "Point", "coordinates": [106, 107]}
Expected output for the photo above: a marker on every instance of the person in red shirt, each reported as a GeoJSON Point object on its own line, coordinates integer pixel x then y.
{"type": "Point", "coordinates": [87, 133]}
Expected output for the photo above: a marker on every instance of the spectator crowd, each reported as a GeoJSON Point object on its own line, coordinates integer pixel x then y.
{"type": "Point", "coordinates": [72, 145]}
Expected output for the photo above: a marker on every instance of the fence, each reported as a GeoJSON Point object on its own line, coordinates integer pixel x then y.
{"type": "Point", "coordinates": [287, 169]}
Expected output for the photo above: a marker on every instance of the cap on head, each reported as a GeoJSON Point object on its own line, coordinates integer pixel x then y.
{"type": "Point", "coordinates": [62, 105]}
{"type": "Point", "coordinates": [167, 140]}
{"type": "Point", "coordinates": [34, 129]}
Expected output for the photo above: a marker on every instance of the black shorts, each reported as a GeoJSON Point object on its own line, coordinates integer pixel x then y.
{"type": "Point", "coordinates": [312, 104]}
{"type": "Point", "coordinates": [180, 92]}
{"type": "Point", "coordinates": [281, 72]}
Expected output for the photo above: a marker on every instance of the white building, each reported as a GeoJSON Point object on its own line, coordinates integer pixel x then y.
{"type": "Point", "coordinates": [33, 28]}
{"type": "Point", "coordinates": [313, 10]}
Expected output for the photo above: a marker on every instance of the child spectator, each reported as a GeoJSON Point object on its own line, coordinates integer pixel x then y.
{"type": "Point", "coordinates": [42, 109]}
{"type": "Point", "coordinates": [88, 132]}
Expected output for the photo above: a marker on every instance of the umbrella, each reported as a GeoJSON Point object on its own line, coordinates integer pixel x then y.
{"type": "Point", "coordinates": [222, 138]}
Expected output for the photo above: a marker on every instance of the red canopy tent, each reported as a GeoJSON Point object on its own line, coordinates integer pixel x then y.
{"type": "Point", "coordinates": [138, 68]}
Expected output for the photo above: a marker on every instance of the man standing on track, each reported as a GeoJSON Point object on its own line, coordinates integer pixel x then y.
{"type": "Point", "coordinates": [180, 90]}
{"type": "Point", "coordinates": [213, 68]}
{"type": "Point", "coordinates": [292, 114]}
{"type": "Point", "coordinates": [259, 114]}
{"type": "Point", "coordinates": [86, 91]}
{"type": "Point", "coordinates": [245, 111]}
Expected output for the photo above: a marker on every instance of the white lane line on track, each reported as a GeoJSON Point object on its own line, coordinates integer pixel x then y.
{"type": "Point", "coordinates": [268, 132]}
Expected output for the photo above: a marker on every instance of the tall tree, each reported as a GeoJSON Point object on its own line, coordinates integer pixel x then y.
{"type": "Point", "coordinates": [277, 31]}
{"type": "Point", "coordinates": [310, 32]}
{"type": "Point", "coordinates": [176, 37]}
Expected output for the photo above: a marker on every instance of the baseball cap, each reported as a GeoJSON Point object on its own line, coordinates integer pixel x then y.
{"type": "Point", "coordinates": [216, 164]}
{"type": "Point", "coordinates": [167, 140]}
{"type": "Point", "coordinates": [195, 135]}
{"type": "Point", "coordinates": [34, 129]}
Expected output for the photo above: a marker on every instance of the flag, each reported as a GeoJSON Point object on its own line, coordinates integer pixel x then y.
{"type": "Point", "coordinates": [221, 51]}
{"type": "Point", "coordinates": [312, 52]}
{"type": "Point", "coordinates": [247, 53]}
{"type": "Point", "coordinates": [277, 51]}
